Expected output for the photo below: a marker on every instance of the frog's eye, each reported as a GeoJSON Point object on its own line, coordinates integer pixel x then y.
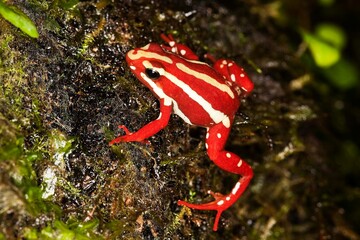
{"type": "Point", "coordinates": [152, 73]}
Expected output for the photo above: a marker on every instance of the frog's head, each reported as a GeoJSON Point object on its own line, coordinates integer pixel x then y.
{"type": "Point", "coordinates": [148, 63]}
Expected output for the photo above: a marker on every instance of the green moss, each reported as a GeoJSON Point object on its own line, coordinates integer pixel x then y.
{"type": "Point", "coordinates": [62, 231]}
{"type": "Point", "coordinates": [22, 148]}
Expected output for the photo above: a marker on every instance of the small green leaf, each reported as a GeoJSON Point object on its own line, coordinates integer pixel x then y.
{"type": "Point", "coordinates": [323, 53]}
{"type": "Point", "coordinates": [18, 19]}
{"type": "Point", "coordinates": [325, 43]}
{"type": "Point", "coordinates": [332, 34]}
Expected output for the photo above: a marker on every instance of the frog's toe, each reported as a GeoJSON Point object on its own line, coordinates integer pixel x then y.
{"type": "Point", "coordinates": [207, 206]}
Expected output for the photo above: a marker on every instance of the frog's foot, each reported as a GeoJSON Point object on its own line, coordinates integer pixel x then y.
{"type": "Point", "coordinates": [221, 203]}
{"type": "Point", "coordinates": [121, 138]}
{"type": "Point", "coordinates": [128, 137]}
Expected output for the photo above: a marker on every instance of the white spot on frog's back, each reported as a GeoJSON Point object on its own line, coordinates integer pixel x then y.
{"type": "Point", "coordinates": [182, 52]}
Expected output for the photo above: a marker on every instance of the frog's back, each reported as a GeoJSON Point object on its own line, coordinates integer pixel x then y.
{"type": "Point", "coordinates": [199, 93]}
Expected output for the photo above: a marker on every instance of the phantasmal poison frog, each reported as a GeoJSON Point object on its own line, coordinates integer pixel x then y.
{"type": "Point", "coordinates": [201, 95]}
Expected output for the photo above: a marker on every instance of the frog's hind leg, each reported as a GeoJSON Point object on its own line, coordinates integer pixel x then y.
{"type": "Point", "coordinates": [215, 141]}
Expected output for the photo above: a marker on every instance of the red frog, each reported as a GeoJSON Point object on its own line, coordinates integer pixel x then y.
{"type": "Point", "coordinates": [201, 95]}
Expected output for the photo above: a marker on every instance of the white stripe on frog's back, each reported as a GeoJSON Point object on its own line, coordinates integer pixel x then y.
{"type": "Point", "coordinates": [206, 78]}
{"type": "Point", "coordinates": [148, 55]}
{"type": "Point", "coordinates": [216, 115]}
{"type": "Point", "coordinates": [160, 93]}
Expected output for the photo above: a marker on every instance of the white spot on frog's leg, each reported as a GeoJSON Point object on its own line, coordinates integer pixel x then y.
{"type": "Point", "coordinates": [242, 75]}
{"type": "Point", "coordinates": [218, 135]}
{"type": "Point", "coordinates": [159, 115]}
{"type": "Point", "coordinates": [207, 135]}
{"type": "Point", "coordinates": [228, 155]}
{"type": "Point", "coordinates": [132, 67]}
{"type": "Point", "coordinates": [221, 202]}
{"type": "Point", "coordinates": [171, 43]}
{"type": "Point", "coordinates": [221, 65]}
{"type": "Point", "coordinates": [206, 146]}
{"type": "Point", "coordinates": [236, 188]}
{"type": "Point", "coordinates": [227, 198]}
{"type": "Point", "coordinates": [224, 62]}
{"type": "Point", "coordinates": [230, 64]}
{"type": "Point", "coordinates": [182, 52]}
{"type": "Point", "coordinates": [232, 76]}
{"type": "Point", "coordinates": [239, 163]}
{"type": "Point", "coordinates": [174, 49]}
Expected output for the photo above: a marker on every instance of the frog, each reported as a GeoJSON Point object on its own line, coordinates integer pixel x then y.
{"type": "Point", "coordinates": [200, 94]}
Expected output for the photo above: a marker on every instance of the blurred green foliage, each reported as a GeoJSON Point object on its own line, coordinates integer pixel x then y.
{"type": "Point", "coordinates": [326, 44]}
{"type": "Point", "coordinates": [18, 19]}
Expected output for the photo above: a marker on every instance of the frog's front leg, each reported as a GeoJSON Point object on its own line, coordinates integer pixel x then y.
{"type": "Point", "coordinates": [215, 141]}
{"type": "Point", "coordinates": [178, 48]}
{"type": "Point", "coordinates": [149, 129]}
